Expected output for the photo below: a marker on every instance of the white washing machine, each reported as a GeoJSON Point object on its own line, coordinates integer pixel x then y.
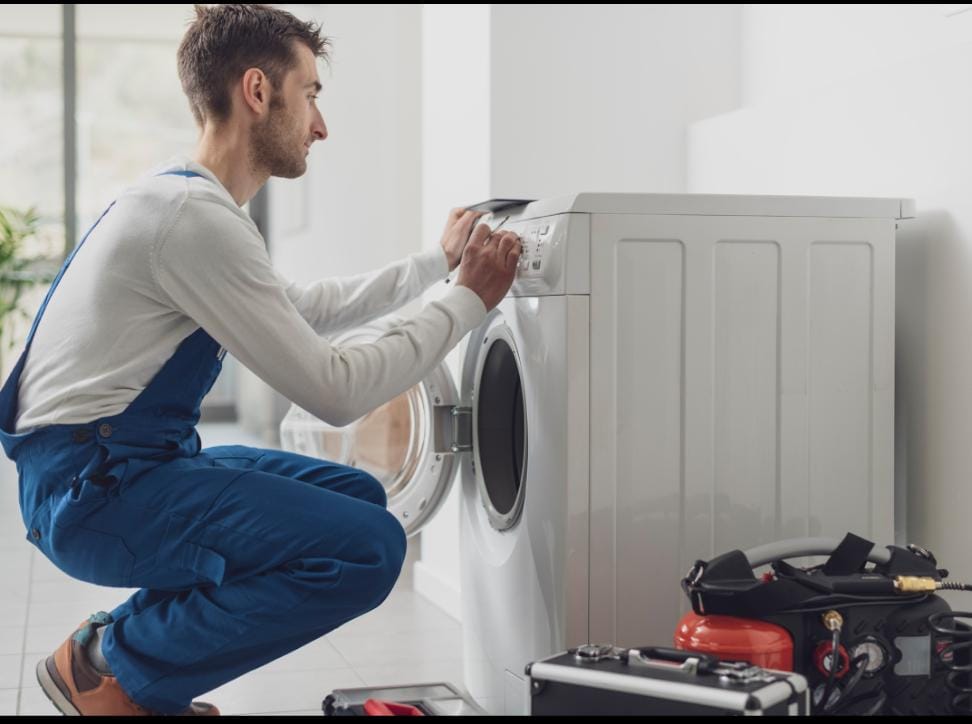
{"type": "Point", "coordinates": [670, 377]}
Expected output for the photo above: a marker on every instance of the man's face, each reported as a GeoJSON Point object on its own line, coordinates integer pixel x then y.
{"type": "Point", "coordinates": [281, 141]}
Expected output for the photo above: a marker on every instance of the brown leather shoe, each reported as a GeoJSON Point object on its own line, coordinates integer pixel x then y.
{"type": "Point", "coordinates": [76, 688]}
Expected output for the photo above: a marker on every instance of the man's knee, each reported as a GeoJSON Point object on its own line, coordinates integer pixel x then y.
{"type": "Point", "coordinates": [359, 579]}
{"type": "Point", "coordinates": [371, 490]}
{"type": "Point", "coordinates": [384, 539]}
{"type": "Point", "coordinates": [391, 541]}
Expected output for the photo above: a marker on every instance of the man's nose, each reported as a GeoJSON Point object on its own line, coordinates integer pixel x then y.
{"type": "Point", "coordinates": [319, 128]}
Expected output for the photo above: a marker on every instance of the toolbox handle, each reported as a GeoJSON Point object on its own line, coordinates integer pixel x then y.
{"type": "Point", "coordinates": [691, 662]}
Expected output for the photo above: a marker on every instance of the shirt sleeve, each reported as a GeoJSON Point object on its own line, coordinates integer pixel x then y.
{"type": "Point", "coordinates": [332, 305]}
{"type": "Point", "coordinates": [215, 269]}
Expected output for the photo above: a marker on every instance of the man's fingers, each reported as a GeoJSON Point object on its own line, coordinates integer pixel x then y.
{"type": "Point", "coordinates": [513, 257]}
{"type": "Point", "coordinates": [507, 242]}
{"type": "Point", "coordinates": [503, 246]}
{"type": "Point", "coordinates": [467, 220]}
{"type": "Point", "coordinates": [456, 216]}
{"type": "Point", "coordinates": [465, 223]}
{"type": "Point", "coordinates": [480, 234]}
{"type": "Point", "coordinates": [459, 215]}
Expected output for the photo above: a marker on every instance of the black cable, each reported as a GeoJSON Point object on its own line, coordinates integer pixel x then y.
{"type": "Point", "coordinates": [834, 664]}
{"type": "Point", "coordinates": [873, 693]}
{"type": "Point", "coordinates": [949, 586]}
{"type": "Point", "coordinates": [882, 699]}
{"type": "Point", "coordinates": [859, 666]}
{"type": "Point", "coordinates": [861, 597]}
{"type": "Point", "coordinates": [867, 602]}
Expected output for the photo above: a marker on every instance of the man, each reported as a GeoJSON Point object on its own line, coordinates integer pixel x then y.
{"type": "Point", "coordinates": [241, 554]}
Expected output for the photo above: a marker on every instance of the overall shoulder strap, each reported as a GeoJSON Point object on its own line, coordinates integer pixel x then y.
{"type": "Point", "coordinates": [187, 174]}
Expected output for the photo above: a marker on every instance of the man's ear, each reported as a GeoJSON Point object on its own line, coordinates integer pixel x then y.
{"type": "Point", "coordinates": [256, 90]}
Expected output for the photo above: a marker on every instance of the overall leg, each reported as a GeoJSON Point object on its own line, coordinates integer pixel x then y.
{"type": "Point", "coordinates": [323, 474]}
{"type": "Point", "coordinates": [239, 567]}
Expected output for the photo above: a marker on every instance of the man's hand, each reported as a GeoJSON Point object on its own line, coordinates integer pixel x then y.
{"type": "Point", "coordinates": [489, 264]}
{"type": "Point", "coordinates": [456, 234]}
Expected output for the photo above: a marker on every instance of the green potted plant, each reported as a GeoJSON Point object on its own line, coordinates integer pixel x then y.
{"type": "Point", "coordinates": [17, 271]}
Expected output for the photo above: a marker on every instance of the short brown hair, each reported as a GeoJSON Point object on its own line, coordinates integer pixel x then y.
{"type": "Point", "coordinates": [225, 40]}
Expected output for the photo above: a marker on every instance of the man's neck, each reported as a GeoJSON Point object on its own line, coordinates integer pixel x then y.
{"type": "Point", "coordinates": [225, 152]}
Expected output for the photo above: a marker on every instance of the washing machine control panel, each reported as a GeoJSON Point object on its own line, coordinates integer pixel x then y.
{"type": "Point", "coordinates": [535, 242]}
{"type": "Point", "coordinates": [546, 241]}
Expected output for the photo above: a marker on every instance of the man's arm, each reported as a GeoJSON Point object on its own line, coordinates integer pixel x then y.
{"type": "Point", "coordinates": [332, 305]}
{"type": "Point", "coordinates": [216, 271]}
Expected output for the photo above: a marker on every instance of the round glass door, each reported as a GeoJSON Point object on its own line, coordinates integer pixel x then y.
{"type": "Point", "coordinates": [389, 441]}
{"type": "Point", "coordinates": [394, 442]}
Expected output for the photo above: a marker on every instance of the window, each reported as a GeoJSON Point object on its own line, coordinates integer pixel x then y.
{"type": "Point", "coordinates": [32, 121]}
{"type": "Point", "coordinates": [91, 100]}
{"type": "Point", "coordinates": [131, 111]}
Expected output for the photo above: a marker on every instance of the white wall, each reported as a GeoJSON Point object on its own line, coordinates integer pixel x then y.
{"type": "Point", "coordinates": [883, 112]}
{"type": "Point", "coordinates": [597, 97]}
{"type": "Point", "coordinates": [789, 51]}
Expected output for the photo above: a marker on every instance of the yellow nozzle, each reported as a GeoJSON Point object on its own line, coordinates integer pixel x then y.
{"type": "Point", "coordinates": [916, 584]}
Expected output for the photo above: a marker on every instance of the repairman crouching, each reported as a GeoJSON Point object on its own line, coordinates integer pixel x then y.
{"type": "Point", "coordinates": [241, 554]}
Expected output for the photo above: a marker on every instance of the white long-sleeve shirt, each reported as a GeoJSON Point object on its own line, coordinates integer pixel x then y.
{"type": "Point", "coordinates": [175, 254]}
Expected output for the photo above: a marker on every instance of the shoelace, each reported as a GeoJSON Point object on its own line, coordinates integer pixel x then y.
{"type": "Point", "coordinates": [84, 634]}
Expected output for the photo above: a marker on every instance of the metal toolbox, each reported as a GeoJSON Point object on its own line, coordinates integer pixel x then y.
{"type": "Point", "coordinates": [607, 680]}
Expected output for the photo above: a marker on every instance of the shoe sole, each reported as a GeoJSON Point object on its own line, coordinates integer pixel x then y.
{"type": "Point", "coordinates": [52, 692]}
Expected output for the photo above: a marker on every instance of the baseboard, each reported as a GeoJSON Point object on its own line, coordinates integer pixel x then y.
{"type": "Point", "coordinates": [437, 589]}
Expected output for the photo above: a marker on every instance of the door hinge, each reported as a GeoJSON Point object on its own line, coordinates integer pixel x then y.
{"type": "Point", "coordinates": [452, 429]}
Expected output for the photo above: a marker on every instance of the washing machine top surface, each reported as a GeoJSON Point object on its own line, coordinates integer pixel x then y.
{"type": "Point", "coordinates": [712, 205]}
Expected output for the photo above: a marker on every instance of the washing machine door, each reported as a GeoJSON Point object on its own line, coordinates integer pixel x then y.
{"type": "Point", "coordinates": [410, 443]}
{"type": "Point", "coordinates": [492, 379]}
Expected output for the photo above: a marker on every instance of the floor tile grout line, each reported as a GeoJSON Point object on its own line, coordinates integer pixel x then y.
{"type": "Point", "coordinates": [23, 641]}
{"type": "Point", "coordinates": [343, 658]}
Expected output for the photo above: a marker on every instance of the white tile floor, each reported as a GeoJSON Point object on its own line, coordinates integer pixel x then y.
{"type": "Point", "coordinates": [405, 640]}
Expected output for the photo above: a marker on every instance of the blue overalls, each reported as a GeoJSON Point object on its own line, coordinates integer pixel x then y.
{"type": "Point", "coordinates": [241, 554]}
